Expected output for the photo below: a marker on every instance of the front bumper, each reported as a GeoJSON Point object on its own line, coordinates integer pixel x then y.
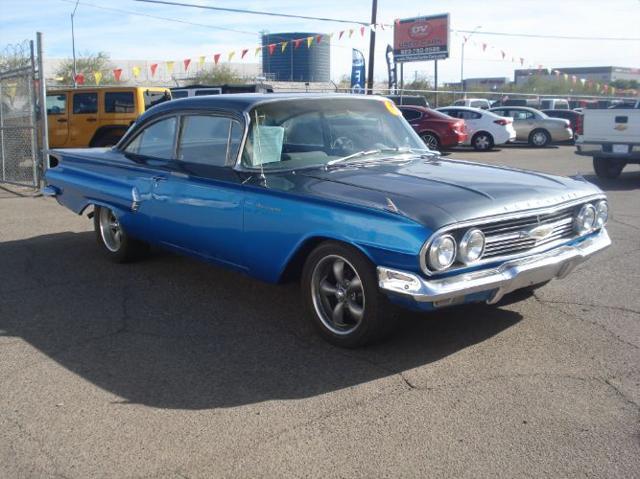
{"type": "Point", "coordinates": [495, 282]}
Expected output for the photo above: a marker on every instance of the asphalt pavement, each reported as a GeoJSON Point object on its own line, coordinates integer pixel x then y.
{"type": "Point", "coordinates": [171, 368]}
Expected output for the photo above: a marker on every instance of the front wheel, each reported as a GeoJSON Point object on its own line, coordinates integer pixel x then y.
{"type": "Point", "coordinates": [482, 141]}
{"type": "Point", "coordinates": [114, 242]}
{"type": "Point", "coordinates": [340, 289]}
{"type": "Point", "coordinates": [609, 169]}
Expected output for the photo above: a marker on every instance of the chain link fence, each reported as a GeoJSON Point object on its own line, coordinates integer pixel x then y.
{"type": "Point", "coordinates": [18, 117]}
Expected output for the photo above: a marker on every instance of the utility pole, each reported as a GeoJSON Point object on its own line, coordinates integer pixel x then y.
{"type": "Point", "coordinates": [73, 45]}
{"type": "Point", "coordinates": [372, 46]}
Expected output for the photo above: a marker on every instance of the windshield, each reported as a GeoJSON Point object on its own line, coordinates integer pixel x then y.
{"type": "Point", "coordinates": [313, 132]}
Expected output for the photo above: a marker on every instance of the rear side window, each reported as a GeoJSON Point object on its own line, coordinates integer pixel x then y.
{"type": "Point", "coordinates": [56, 104]}
{"type": "Point", "coordinates": [499, 112]}
{"type": "Point", "coordinates": [209, 140]}
{"type": "Point", "coordinates": [521, 115]}
{"type": "Point", "coordinates": [479, 104]}
{"type": "Point", "coordinates": [411, 115]}
{"type": "Point", "coordinates": [468, 115]}
{"type": "Point", "coordinates": [119, 102]}
{"type": "Point", "coordinates": [451, 113]}
{"type": "Point", "coordinates": [156, 140]}
{"type": "Point", "coordinates": [84, 103]}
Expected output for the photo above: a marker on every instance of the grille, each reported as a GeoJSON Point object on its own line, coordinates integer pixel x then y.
{"type": "Point", "coordinates": [514, 236]}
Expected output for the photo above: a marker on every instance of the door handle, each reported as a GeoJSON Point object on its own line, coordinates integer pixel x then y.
{"type": "Point", "coordinates": [92, 119]}
{"type": "Point", "coordinates": [62, 120]}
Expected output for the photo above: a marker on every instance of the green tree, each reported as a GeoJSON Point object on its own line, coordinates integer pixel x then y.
{"type": "Point", "coordinates": [87, 64]}
{"type": "Point", "coordinates": [219, 75]}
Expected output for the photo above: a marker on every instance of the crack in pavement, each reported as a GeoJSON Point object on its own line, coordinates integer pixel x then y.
{"type": "Point", "coordinates": [620, 393]}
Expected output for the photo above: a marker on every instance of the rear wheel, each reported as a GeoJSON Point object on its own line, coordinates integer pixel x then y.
{"type": "Point", "coordinates": [482, 141]}
{"type": "Point", "coordinates": [114, 242]}
{"type": "Point", "coordinates": [431, 140]}
{"type": "Point", "coordinates": [340, 289]}
{"type": "Point", "coordinates": [539, 138]}
{"type": "Point", "coordinates": [609, 169]}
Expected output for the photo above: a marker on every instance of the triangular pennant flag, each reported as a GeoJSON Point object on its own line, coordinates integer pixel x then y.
{"type": "Point", "coordinates": [613, 90]}
{"type": "Point", "coordinates": [201, 61]}
{"type": "Point", "coordinates": [170, 67]}
{"type": "Point", "coordinates": [231, 54]}
{"type": "Point", "coordinates": [153, 67]}
{"type": "Point", "coordinates": [272, 48]}
{"type": "Point", "coordinates": [136, 71]}
{"type": "Point", "coordinates": [362, 31]}
{"type": "Point", "coordinates": [116, 73]}
{"type": "Point", "coordinates": [97, 77]}
{"type": "Point", "coordinates": [186, 62]}
{"type": "Point", "coordinates": [350, 32]}
{"type": "Point", "coordinates": [521, 61]}
{"type": "Point", "coordinates": [539, 68]}
{"type": "Point", "coordinates": [283, 47]}
{"type": "Point", "coordinates": [216, 58]}
{"type": "Point", "coordinates": [565, 76]}
{"type": "Point", "coordinates": [258, 50]}
{"type": "Point", "coordinates": [297, 42]}
{"type": "Point", "coordinates": [309, 41]}
{"type": "Point", "coordinates": [79, 80]}
{"type": "Point", "coordinates": [556, 72]}
{"type": "Point", "coordinates": [318, 38]}
{"type": "Point", "coordinates": [340, 34]}
{"type": "Point", "coordinates": [244, 52]}
{"type": "Point", "coordinates": [382, 26]}
{"type": "Point", "coordinates": [484, 47]}
{"type": "Point", "coordinates": [503, 54]}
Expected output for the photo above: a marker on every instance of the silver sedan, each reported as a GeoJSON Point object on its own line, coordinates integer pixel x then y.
{"type": "Point", "coordinates": [535, 127]}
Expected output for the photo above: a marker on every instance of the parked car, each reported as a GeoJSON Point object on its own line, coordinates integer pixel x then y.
{"type": "Point", "coordinates": [484, 129]}
{"type": "Point", "coordinates": [554, 104]}
{"type": "Point", "coordinates": [535, 127]}
{"type": "Point", "coordinates": [337, 192]}
{"type": "Point", "coordinates": [203, 90]}
{"type": "Point", "coordinates": [436, 129]}
{"type": "Point", "coordinates": [575, 119]}
{"type": "Point", "coordinates": [612, 138]}
{"type": "Point", "coordinates": [481, 103]}
{"type": "Point", "coordinates": [97, 116]}
{"type": "Point", "coordinates": [414, 100]}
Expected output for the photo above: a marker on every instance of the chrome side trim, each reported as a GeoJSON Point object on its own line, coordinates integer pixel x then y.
{"type": "Point", "coordinates": [479, 222]}
{"type": "Point", "coordinates": [508, 277]}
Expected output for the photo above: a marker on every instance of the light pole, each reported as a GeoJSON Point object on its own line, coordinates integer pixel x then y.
{"type": "Point", "coordinates": [462, 57]}
{"type": "Point", "coordinates": [73, 45]}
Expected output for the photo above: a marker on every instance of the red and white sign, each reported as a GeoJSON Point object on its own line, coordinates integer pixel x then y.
{"type": "Point", "coordinates": [421, 38]}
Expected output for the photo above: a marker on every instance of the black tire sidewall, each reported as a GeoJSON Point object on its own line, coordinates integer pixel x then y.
{"type": "Point", "coordinates": [489, 138]}
{"type": "Point", "coordinates": [437, 140]}
{"type": "Point", "coordinates": [609, 169]}
{"type": "Point", "coordinates": [547, 138]}
{"type": "Point", "coordinates": [129, 247]}
{"type": "Point", "coordinates": [378, 313]}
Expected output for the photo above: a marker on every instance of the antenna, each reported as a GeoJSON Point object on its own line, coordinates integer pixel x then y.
{"type": "Point", "coordinates": [262, 176]}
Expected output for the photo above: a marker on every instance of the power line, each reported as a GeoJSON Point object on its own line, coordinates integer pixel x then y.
{"type": "Point", "coordinates": [252, 12]}
{"type": "Point", "coordinates": [158, 17]}
{"type": "Point", "coordinates": [556, 37]}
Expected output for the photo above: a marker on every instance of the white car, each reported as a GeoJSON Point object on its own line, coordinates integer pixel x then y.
{"type": "Point", "coordinates": [485, 129]}
{"type": "Point", "coordinates": [481, 103]}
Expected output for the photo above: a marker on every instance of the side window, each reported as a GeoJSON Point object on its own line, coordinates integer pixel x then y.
{"type": "Point", "coordinates": [500, 112]}
{"type": "Point", "coordinates": [521, 115]}
{"type": "Point", "coordinates": [119, 102]}
{"type": "Point", "coordinates": [209, 140]}
{"type": "Point", "coordinates": [156, 140]}
{"type": "Point", "coordinates": [469, 115]}
{"type": "Point", "coordinates": [85, 103]}
{"type": "Point", "coordinates": [56, 104]}
{"type": "Point", "coordinates": [451, 113]}
{"type": "Point", "coordinates": [179, 94]}
{"type": "Point", "coordinates": [411, 115]}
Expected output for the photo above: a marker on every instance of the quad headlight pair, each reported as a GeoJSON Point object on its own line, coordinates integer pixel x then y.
{"type": "Point", "coordinates": [591, 217]}
{"type": "Point", "coordinates": [444, 250]}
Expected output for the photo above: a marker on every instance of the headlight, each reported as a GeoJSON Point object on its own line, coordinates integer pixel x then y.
{"type": "Point", "coordinates": [586, 219]}
{"type": "Point", "coordinates": [602, 213]}
{"type": "Point", "coordinates": [442, 252]}
{"type": "Point", "coordinates": [471, 246]}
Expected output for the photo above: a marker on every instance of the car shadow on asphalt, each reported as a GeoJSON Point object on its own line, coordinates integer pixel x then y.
{"type": "Point", "coordinates": [627, 181]}
{"type": "Point", "coordinates": [171, 332]}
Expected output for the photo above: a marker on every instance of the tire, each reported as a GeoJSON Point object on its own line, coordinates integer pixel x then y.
{"type": "Point", "coordinates": [539, 138]}
{"type": "Point", "coordinates": [112, 240]}
{"type": "Point", "coordinates": [346, 312]}
{"type": "Point", "coordinates": [482, 141]}
{"type": "Point", "coordinates": [609, 169]}
{"type": "Point", "coordinates": [431, 140]}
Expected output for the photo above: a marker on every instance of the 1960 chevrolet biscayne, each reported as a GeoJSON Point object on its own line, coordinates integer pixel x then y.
{"type": "Point", "coordinates": [336, 191]}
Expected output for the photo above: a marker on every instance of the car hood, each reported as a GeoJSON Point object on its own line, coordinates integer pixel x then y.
{"type": "Point", "coordinates": [436, 192]}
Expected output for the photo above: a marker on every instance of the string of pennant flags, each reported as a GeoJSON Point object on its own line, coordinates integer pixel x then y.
{"type": "Point", "coordinates": [309, 41]}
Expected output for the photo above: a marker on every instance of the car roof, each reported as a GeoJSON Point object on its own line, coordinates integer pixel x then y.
{"type": "Point", "coordinates": [515, 107]}
{"type": "Point", "coordinates": [469, 108]}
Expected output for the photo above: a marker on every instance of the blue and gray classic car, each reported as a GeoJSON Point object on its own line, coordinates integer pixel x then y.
{"type": "Point", "coordinates": [334, 191]}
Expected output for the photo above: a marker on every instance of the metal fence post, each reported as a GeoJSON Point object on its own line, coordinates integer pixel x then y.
{"type": "Point", "coordinates": [44, 126]}
{"type": "Point", "coordinates": [34, 119]}
{"type": "Point", "coordinates": [4, 175]}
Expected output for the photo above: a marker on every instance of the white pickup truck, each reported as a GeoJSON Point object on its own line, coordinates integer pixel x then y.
{"type": "Point", "coordinates": [612, 138]}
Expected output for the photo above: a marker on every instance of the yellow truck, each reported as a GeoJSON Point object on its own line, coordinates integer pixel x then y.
{"type": "Point", "coordinates": [92, 117]}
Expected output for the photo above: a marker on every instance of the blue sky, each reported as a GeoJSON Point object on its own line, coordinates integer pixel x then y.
{"type": "Point", "coordinates": [129, 36]}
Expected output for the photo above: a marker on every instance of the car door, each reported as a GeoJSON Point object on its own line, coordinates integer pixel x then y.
{"type": "Point", "coordinates": [197, 205]}
{"type": "Point", "coordinates": [474, 121]}
{"type": "Point", "coordinates": [83, 120]}
{"type": "Point", "coordinates": [523, 122]}
{"type": "Point", "coordinates": [58, 119]}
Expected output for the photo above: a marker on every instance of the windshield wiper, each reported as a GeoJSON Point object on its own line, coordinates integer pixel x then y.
{"type": "Point", "coordinates": [354, 155]}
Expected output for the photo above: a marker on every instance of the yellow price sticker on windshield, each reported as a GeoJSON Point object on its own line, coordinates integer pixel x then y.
{"type": "Point", "coordinates": [393, 109]}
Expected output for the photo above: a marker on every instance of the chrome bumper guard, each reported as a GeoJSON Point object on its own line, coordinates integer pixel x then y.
{"type": "Point", "coordinates": [512, 275]}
